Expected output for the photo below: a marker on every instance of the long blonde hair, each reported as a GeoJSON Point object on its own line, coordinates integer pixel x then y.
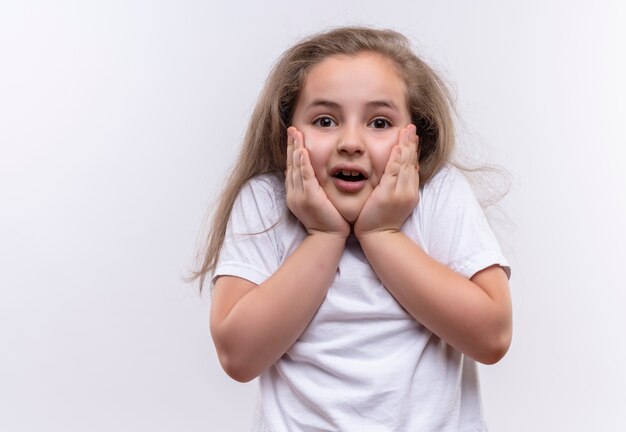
{"type": "Point", "coordinates": [265, 142]}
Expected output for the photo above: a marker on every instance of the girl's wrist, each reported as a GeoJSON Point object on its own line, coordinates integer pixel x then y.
{"type": "Point", "coordinates": [377, 235]}
{"type": "Point", "coordinates": [330, 235]}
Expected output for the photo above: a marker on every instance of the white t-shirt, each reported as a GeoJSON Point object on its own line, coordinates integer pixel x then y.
{"type": "Point", "coordinates": [363, 363]}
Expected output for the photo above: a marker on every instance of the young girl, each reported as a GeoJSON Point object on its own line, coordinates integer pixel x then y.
{"type": "Point", "coordinates": [354, 271]}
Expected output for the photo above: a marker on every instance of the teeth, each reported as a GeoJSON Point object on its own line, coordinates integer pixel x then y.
{"type": "Point", "coordinates": [349, 173]}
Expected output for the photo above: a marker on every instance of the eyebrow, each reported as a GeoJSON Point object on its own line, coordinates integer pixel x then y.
{"type": "Point", "coordinates": [323, 103]}
{"type": "Point", "coordinates": [335, 105]}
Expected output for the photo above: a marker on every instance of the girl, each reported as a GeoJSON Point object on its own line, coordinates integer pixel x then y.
{"type": "Point", "coordinates": [354, 271]}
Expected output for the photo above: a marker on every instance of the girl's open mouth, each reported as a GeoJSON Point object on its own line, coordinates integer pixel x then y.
{"type": "Point", "coordinates": [349, 180]}
{"type": "Point", "coordinates": [349, 176]}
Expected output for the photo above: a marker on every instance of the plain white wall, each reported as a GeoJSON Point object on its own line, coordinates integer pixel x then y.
{"type": "Point", "coordinates": [119, 119]}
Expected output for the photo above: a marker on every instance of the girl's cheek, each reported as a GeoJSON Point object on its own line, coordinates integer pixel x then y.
{"type": "Point", "coordinates": [382, 155]}
{"type": "Point", "coordinates": [316, 155]}
{"type": "Point", "coordinates": [386, 143]}
{"type": "Point", "coordinates": [315, 141]}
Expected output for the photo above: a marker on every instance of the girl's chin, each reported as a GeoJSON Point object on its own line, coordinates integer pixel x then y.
{"type": "Point", "coordinates": [349, 207]}
{"type": "Point", "coordinates": [350, 214]}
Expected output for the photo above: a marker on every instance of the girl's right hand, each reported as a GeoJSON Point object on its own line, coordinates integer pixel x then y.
{"type": "Point", "coordinates": [305, 197]}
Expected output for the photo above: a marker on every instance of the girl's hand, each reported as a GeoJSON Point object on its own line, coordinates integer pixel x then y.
{"type": "Point", "coordinates": [305, 197]}
{"type": "Point", "coordinates": [397, 194]}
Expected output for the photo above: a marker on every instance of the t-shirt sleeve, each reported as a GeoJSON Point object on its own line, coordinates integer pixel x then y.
{"type": "Point", "coordinates": [458, 233]}
{"type": "Point", "coordinates": [250, 249]}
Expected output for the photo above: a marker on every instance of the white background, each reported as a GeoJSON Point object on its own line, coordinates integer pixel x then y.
{"type": "Point", "coordinates": [119, 119]}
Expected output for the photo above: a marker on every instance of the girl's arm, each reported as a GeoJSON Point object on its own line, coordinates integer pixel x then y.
{"type": "Point", "coordinates": [473, 315]}
{"type": "Point", "coordinates": [254, 325]}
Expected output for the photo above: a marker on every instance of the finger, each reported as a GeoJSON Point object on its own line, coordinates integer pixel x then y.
{"type": "Point", "coordinates": [392, 169]}
{"type": "Point", "coordinates": [405, 145]}
{"type": "Point", "coordinates": [414, 144]}
{"type": "Point", "coordinates": [406, 173]}
{"type": "Point", "coordinates": [297, 162]}
{"type": "Point", "coordinates": [309, 181]}
{"type": "Point", "coordinates": [289, 168]}
{"type": "Point", "coordinates": [417, 152]}
{"type": "Point", "coordinates": [290, 134]}
{"type": "Point", "coordinates": [408, 179]}
{"type": "Point", "coordinates": [388, 181]}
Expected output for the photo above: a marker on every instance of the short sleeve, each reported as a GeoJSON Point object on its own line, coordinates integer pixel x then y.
{"type": "Point", "coordinates": [457, 231]}
{"type": "Point", "coordinates": [250, 249]}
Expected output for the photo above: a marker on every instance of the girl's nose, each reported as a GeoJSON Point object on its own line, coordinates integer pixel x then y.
{"type": "Point", "coordinates": [350, 141]}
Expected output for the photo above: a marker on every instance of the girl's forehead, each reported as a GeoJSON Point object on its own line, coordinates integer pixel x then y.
{"type": "Point", "coordinates": [365, 74]}
{"type": "Point", "coordinates": [371, 62]}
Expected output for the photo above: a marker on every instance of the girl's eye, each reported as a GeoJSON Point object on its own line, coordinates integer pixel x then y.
{"type": "Point", "coordinates": [380, 123]}
{"type": "Point", "coordinates": [324, 122]}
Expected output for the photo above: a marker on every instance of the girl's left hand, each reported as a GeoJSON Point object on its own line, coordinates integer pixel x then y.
{"type": "Point", "coordinates": [397, 194]}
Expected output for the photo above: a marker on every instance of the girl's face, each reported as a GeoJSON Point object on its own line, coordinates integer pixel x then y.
{"type": "Point", "coordinates": [350, 111]}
